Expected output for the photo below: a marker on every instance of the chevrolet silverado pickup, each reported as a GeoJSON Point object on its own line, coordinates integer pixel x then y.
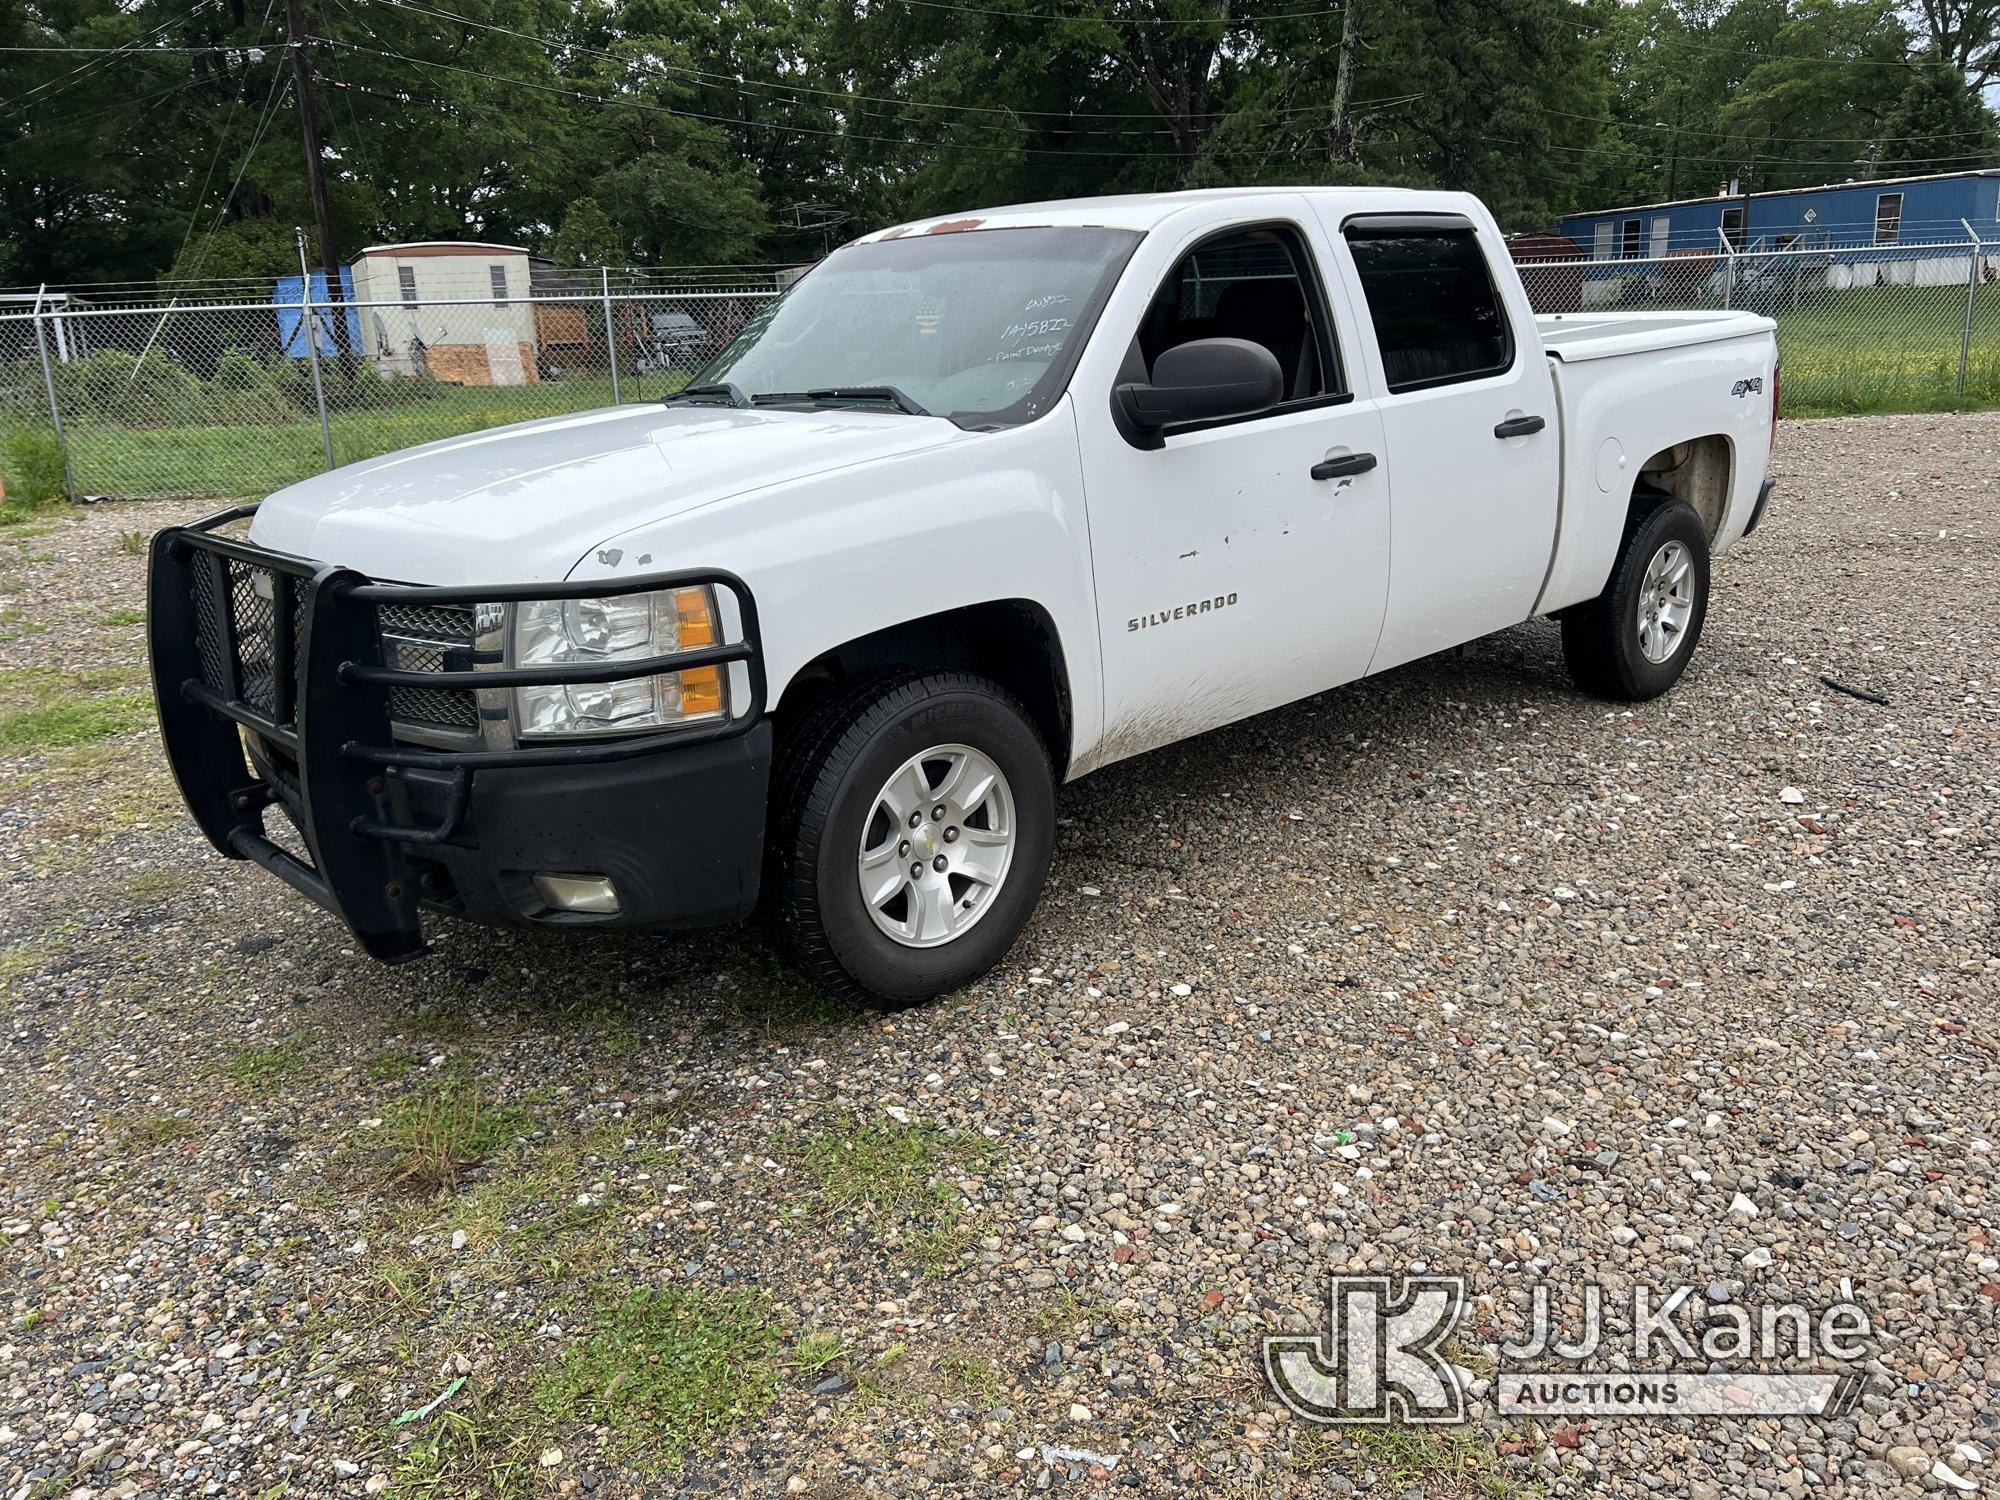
{"type": "Point", "coordinates": [980, 505]}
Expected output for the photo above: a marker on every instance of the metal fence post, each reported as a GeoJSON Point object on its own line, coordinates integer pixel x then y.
{"type": "Point", "coordinates": [311, 337]}
{"type": "Point", "coordinates": [1971, 291]}
{"type": "Point", "coordinates": [610, 335]}
{"type": "Point", "coordinates": [49, 385]}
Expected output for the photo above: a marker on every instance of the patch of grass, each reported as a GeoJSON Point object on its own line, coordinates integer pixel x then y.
{"type": "Point", "coordinates": [261, 1069]}
{"type": "Point", "coordinates": [891, 1177]}
{"type": "Point", "coordinates": [160, 1129]}
{"type": "Point", "coordinates": [448, 1127]}
{"type": "Point", "coordinates": [133, 543]}
{"type": "Point", "coordinates": [1443, 1460]}
{"type": "Point", "coordinates": [667, 1370]}
{"type": "Point", "coordinates": [1066, 1316]}
{"type": "Point", "coordinates": [388, 1067]}
{"type": "Point", "coordinates": [937, 1249]}
{"type": "Point", "coordinates": [126, 617]}
{"type": "Point", "coordinates": [152, 885]}
{"type": "Point", "coordinates": [971, 1379]}
{"type": "Point", "coordinates": [815, 1349]}
{"type": "Point", "coordinates": [23, 959]}
{"type": "Point", "coordinates": [881, 1168]}
{"type": "Point", "coordinates": [31, 467]}
{"type": "Point", "coordinates": [476, 1445]}
{"type": "Point", "coordinates": [42, 710]}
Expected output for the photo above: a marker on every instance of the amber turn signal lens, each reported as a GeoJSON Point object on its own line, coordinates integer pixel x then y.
{"type": "Point", "coordinates": [696, 619]}
{"type": "Point", "coordinates": [701, 690]}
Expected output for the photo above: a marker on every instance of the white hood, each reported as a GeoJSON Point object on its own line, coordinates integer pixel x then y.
{"type": "Point", "coordinates": [523, 504]}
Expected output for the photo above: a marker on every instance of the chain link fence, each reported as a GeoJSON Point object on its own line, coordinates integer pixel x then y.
{"type": "Point", "coordinates": [232, 400]}
{"type": "Point", "coordinates": [1868, 328]}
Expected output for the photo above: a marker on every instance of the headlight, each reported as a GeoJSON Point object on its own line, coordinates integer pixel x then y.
{"type": "Point", "coordinates": [570, 631]}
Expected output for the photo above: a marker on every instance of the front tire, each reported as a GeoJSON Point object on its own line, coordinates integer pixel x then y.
{"type": "Point", "coordinates": [1633, 641]}
{"type": "Point", "coordinates": [913, 822]}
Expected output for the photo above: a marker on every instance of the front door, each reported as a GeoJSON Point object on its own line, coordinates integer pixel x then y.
{"type": "Point", "coordinates": [1230, 579]}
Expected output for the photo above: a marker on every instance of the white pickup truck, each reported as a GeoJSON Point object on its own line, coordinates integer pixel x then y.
{"type": "Point", "coordinates": [982, 504]}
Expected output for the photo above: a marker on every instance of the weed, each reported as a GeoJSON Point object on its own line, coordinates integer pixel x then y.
{"type": "Point", "coordinates": [388, 1067]}
{"type": "Point", "coordinates": [158, 1130]}
{"type": "Point", "coordinates": [126, 617]}
{"type": "Point", "coordinates": [667, 1370]}
{"type": "Point", "coordinates": [938, 1249]}
{"type": "Point", "coordinates": [890, 1177]}
{"type": "Point", "coordinates": [971, 1379]}
{"type": "Point", "coordinates": [448, 1127]}
{"type": "Point", "coordinates": [31, 467]}
{"type": "Point", "coordinates": [32, 1319]}
{"type": "Point", "coordinates": [1065, 1316]}
{"type": "Point", "coordinates": [1431, 1457]}
{"type": "Point", "coordinates": [479, 1445]}
{"type": "Point", "coordinates": [153, 885]}
{"type": "Point", "coordinates": [261, 1069]}
{"type": "Point", "coordinates": [816, 1349]}
{"type": "Point", "coordinates": [133, 543]}
{"type": "Point", "coordinates": [881, 1169]}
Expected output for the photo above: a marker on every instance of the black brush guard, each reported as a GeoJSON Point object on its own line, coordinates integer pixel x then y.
{"type": "Point", "coordinates": [320, 694]}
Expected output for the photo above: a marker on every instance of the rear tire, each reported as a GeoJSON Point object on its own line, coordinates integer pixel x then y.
{"type": "Point", "coordinates": [1633, 641]}
{"type": "Point", "coordinates": [913, 819]}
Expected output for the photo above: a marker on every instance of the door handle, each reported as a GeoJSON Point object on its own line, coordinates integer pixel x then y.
{"type": "Point", "coordinates": [1519, 427]}
{"type": "Point", "coordinates": [1336, 468]}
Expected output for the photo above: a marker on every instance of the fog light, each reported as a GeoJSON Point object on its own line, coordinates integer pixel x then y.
{"type": "Point", "coordinates": [590, 893]}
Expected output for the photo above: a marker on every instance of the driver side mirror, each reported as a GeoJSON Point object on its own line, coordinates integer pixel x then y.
{"type": "Point", "coordinates": [1200, 381]}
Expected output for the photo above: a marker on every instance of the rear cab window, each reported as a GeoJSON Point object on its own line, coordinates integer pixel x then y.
{"type": "Point", "coordinates": [1430, 295]}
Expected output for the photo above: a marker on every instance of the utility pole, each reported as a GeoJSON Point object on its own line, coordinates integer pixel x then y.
{"type": "Point", "coordinates": [1341, 148]}
{"type": "Point", "coordinates": [1743, 257]}
{"type": "Point", "coordinates": [316, 177]}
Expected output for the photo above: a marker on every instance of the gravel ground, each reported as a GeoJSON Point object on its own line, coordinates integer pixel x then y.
{"type": "Point", "coordinates": [1452, 969]}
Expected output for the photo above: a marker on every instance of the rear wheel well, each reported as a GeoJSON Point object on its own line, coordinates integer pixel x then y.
{"type": "Point", "coordinates": [1699, 471]}
{"type": "Point", "coordinates": [1010, 641]}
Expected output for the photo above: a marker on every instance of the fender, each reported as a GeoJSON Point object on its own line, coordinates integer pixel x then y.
{"type": "Point", "coordinates": [843, 554]}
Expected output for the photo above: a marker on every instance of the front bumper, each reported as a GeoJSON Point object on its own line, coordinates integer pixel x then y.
{"type": "Point", "coordinates": [302, 720]}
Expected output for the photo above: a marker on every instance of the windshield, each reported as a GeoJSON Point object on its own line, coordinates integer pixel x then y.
{"type": "Point", "coordinates": [982, 326]}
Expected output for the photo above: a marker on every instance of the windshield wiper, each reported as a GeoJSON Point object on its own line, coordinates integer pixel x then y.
{"type": "Point", "coordinates": [897, 398]}
{"type": "Point", "coordinates": [731, 392]}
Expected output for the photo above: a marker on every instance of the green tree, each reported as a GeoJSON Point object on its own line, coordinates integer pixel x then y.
{"type": "Point", "coordinates": [1938, 118]}
{"type": "Point", "coordinates": [586, 237]}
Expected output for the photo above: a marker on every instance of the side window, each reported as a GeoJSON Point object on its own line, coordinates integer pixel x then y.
{"type": "Point", "coordinates": [1430, 296]}
{"type": "Point", "coordinates": [406, 282]}
{"type": "Point", "coordinates": [498, 274]}
{"type": "Point", "coordinates": [1888, 218]}
{"type": "Point", "coordinates": [1253, 284]}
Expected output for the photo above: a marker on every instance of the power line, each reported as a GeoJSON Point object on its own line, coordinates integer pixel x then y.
{"type": "Point", "coordinates": [740, 86]}
{"type": "Point", "coordinates": [63, 82]}
{"type": "Point", "coordinates": [660, 69]}
{"type": "Point", "coordinates": [617, 102]}
{"type": "Point", "coordinates": [221, 139]}
{"type": "Point", "coordinates": [280, 86]}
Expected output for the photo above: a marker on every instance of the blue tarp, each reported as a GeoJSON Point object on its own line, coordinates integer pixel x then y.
{"type": "Point", "coordinates": [286, 295]}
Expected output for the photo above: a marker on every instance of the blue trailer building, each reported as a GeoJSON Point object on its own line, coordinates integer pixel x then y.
{"type": "Point", "coordinates": [1930, 210]}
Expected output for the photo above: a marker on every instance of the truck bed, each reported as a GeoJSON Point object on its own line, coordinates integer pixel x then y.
{"type": "Point", "coordinates": [1602, 335]}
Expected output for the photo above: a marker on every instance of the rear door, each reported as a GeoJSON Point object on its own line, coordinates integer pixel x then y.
{"type": "Point", "coordinates": [1468, 408]}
